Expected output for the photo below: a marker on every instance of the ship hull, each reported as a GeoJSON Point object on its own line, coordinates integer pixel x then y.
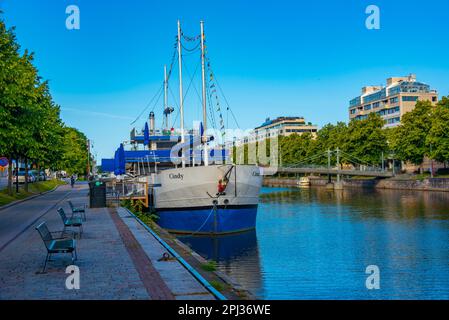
{"type": "Point", "coordinates": [187, 199]}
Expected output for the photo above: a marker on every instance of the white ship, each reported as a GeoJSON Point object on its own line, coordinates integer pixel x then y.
{"type": "Point", "coordinates": [195, 195]}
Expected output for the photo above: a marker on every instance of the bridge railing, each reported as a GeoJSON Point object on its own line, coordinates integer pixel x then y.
{"type": "Point", "coordinates": [334, 167]}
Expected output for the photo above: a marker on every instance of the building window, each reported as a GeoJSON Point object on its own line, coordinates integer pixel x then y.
{"type": "Point", "coordinates": [409, 98]}
{"type": "Point", "coordinates": [376, 105]}
{"type": "Point", "coordinates": [394, 100]}
{"type": "Point", "coordinates": [367, 107]}
{"type": "Point", "coordinates": [355, 101]}
{"type": "Point", "coordinates": [352, 111]}
{"type": "Point", "coordinates": [375, 96]}
{"type": "Point", "coordinates": [393, 120]}
{"type": "Point", "coordinates": [434, 99]}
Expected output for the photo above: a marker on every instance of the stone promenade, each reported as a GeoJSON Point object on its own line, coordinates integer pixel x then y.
{"type": "Point", "coordinates": [117, 257]}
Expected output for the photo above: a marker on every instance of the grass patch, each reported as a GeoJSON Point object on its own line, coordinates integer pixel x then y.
{"type": "Point", "coordinates": [217, 285]}
{"type": "Point", "coordinates": [148, 218]}
{"type": "Point", "coordinates": [209, 266]}
{"type": "Point", "coordinates": [33, 189]}
{"type": "Point", "coordinates": [137, 208]}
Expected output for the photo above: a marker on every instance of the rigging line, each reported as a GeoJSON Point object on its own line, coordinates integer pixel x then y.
{"type": "Point", "coordinates": [159, 92]}
{"type": "Point", "coordinates": [174, 97]}
{"type": "Point", "coordinates": [211, 109]}
{"type": "Point", "coordinates": [187, 38]}
{"type": "Point", "coordinates": [175, 52]}
{"type": "Point", "coordinates": [191, 79]}
{"type": "Point", "coordinates": [176, 118]}
{"type": "Point", "coordinates": [191, 53]}
{"type": "Point", "coordinates": [226, 100]}
{"type": "Point", "coordinates": [191, 49]}
{"type": "Point", "coordinates": [177, 107]}
{"type": "Point", "coordinates": [212, 76]}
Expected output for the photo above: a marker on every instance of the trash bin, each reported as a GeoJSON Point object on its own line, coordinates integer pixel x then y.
{"type": "Point", "coordinates": [97, 194]}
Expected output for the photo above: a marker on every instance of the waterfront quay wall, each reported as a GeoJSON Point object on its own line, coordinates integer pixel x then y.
{"type": "Point", "coordinates": [429, 184]}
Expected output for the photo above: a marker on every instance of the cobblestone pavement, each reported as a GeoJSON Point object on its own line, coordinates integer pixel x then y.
{"type": "Point", "coordinates": [106, 269]}
{"type": "Point", "coordinates": [181, 283]}
{"type": "Point", "coordinates": [117, 257]}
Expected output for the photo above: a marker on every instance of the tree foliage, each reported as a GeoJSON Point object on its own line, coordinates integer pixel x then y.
{"type": "Point", "coordinates": [424, 132]}
{"type": "Point", "coordinates": [30, 125]}
{"type": "Point", "coordinates": [438, 137]}
{"type": "Point", "coordinates": [409, 140]}
{"type": "Point", "coordinates": [365, 140]}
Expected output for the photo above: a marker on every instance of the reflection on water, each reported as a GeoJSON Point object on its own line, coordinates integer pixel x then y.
{"type": "Point", "coordinates": [316, 244]}
{"type": "Point", "coordinates": [236, 255]}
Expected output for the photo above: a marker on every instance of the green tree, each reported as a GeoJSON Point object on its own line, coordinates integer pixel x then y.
{"type": "Point", "coordinates": [365, 140]}
{"type": "Point", "coordinates": [410, 138]}
{"type": "Point", "coordinates": [296, 148]}
{"type": "Point", "coordinates": [30, 125]}
{"type": "Point", "coordinates": [438, 136]}
{"type": "Point", "coordinates": [74, 148]}
{"type": "Point", "coordinates": [329, 137]}
{"type": "Point", "coordinates": [17, 80]}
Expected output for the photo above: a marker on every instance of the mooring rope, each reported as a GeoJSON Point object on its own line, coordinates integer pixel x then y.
{"type": "Point", "coordinates": [204, 223]}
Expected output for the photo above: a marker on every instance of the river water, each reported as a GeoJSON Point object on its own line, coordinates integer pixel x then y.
{"type": "Point", "coordinates": [316, 244]}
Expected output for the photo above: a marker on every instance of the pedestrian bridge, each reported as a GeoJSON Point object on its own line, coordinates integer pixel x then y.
{"type": "Point", "coordinates": [357, 167]}
{"type": "Point", "coordinates": [367, 172]}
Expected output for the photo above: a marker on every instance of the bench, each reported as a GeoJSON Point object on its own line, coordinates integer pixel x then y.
{"type": "Point", "coordinates": [71, 222]}
{"type": "Point", "coordinates": [56, 245]}
{"type": "Point", "coordinates": [75, 210]}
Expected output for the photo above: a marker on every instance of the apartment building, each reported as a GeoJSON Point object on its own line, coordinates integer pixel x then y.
{"type": "Point", "coordinates": [392, 101]}
{"type": "Point", "coordinates": [281, 126]}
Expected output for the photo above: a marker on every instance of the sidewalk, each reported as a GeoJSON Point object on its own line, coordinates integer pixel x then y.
{"type": "Point", "coordinates": [118, 259]}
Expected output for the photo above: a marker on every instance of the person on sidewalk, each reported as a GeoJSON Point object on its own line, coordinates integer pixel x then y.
{"type": "Point", "coordinates": [72, 180]}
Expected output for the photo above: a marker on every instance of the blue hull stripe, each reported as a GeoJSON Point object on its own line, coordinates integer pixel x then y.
{"type": "Point", "coordinates": [204, 220]}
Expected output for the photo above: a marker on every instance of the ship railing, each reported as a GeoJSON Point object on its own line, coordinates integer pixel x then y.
{"type": "Point", "coordinates": [129, 189]}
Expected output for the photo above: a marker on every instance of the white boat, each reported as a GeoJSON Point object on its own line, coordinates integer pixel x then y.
{"type": "Point", "coordinates": [208, 197]}
{"type": "Point", "coordinates": [189, 200]}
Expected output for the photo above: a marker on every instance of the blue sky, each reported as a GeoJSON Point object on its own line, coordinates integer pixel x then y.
{"type": "Point", "coordinates": [271, 58]}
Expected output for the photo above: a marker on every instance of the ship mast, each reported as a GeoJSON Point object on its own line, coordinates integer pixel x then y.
{"type": "Point", "coordinates": [165, 96]}
{"type": "Point", "coordinates": [203, 78]}
{"type": "Point", "coordinates": [181, 102]}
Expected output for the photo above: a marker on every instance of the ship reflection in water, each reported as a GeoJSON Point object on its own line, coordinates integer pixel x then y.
{"type": "Point", "coordinates": [236, 255]}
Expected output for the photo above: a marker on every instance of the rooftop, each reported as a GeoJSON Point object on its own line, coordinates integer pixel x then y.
{"type": "Point", "coordinates": [395, 85]}
{"type": "Point", "coordinates": [268, 121]}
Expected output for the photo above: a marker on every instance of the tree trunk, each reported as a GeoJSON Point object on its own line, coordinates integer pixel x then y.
{"type": "Point", "coordinates": [17, 175]}
{"type": "Point", "coordinates": [10, 175]}
{"type": "Point", "coordinates": [26, 174]}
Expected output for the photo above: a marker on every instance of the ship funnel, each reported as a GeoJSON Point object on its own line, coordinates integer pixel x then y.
{"type": "Point", "coordinates": [152, 122]}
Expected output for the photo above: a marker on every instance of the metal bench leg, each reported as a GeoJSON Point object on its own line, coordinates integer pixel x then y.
{"type": "Point", "coordinates": [45, 264]}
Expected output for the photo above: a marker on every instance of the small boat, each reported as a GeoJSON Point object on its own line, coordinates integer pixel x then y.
{"type": "Point", "coordinates": [304, 182]}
